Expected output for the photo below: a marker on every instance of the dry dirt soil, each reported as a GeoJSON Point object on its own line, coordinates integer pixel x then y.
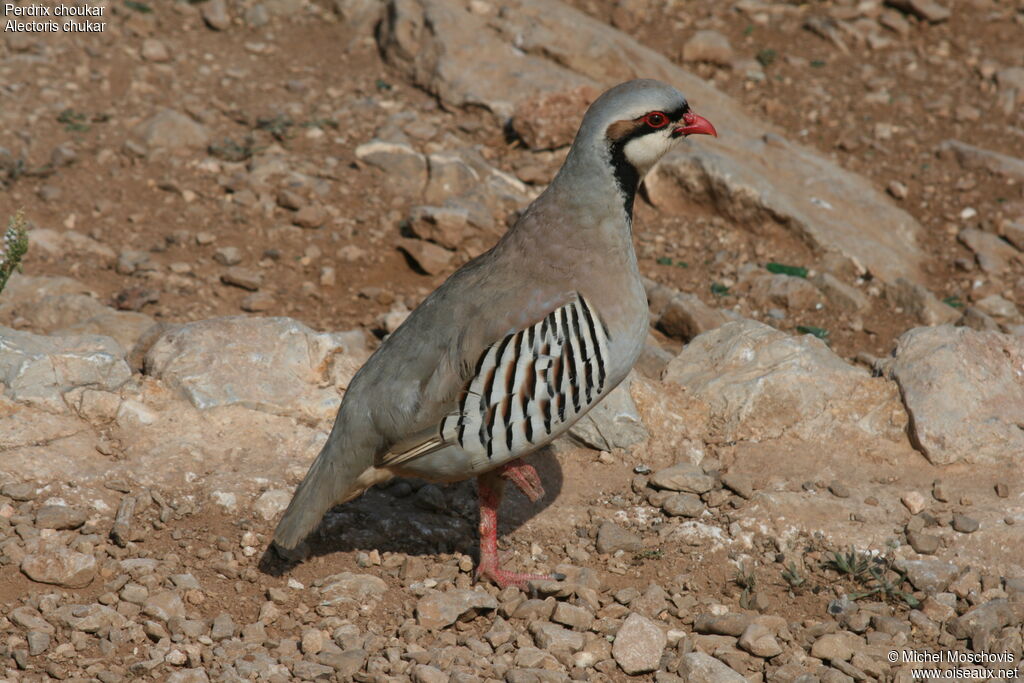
{"type": "Point", "coordinates": [306, 85]}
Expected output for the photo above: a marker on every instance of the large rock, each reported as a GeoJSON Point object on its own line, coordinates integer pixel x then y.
{"type": "Point", "coordinates": [677, 423]}
{"type": "Point", "coordinates": [89, 618]}
{"type": "Point", "coordinates": [612, 423]}
{"type": "Point", "coordinates": [24, 292]}
{"type": "Point", "coordinates": [272, 503]}
{"type": "Point", "coordinates": [683, 476]}
{"type": "Point", "coordinates": [352, 589]}
{"type": "Point", "coordinates": [436, 610]}
{"type": "Point", "coordinates": [767, 290]}
{"type": "Point", "coordinates": [685, 316]}
{"type": "Point", "coordinates": [126, 327]}
{"type": "Point", "coordinates": [443, 225]}
{"type": "Point", "coordinates": [188, 676]}
{"type": "Point", "coordinates": [36, 370]}
{"type": "Point", "coordinates": [964, 391]}
{"type": "Point", "coordinates": [62, 306]}
{"type": "Point", "coordinates": [277, 365]}
{"type": "Point", "coordinates": [455, 55]}
{"type": "Point", "coordinates": [611, 538]}
{"type": "Point", "coordinates": [464, 173]}
{"type": "Point", "coordinates": [60, 244]}
{"type": "Point", "coordinates": [992, 253]}
{"type": "Point", "coordinates": [59, 310]}
{"type": "Point", "coordinates": [60, 567]}
{"type": "Point", "coordinates": [550, 120]}
{"type": "Point", "coordinates": [30, 619]}
{"type": "Point", "coordinates": [708, 46]}
{"type": "Point", "coordinates": [974, 158]}
{"type": "Point", "coordinates": [916, 300]}
{"type": "Point", "coordinates": [986, 619]}
{"type": "Point", "coordinates": [164, 606]}
{"type": "Point", "coordinates": [703, 668]}
{"type": "Point", "coordinates": [761, 383]}
{"type": "Point", "coordinates": [407, 167]}
{"type": "Point", "coordinates": [751, 173]}
{"type": "Point", "coordinates": [932, 576]}
{"type": "Point", "coordinates": [638, 645]}
{"type": "Point", "coordinates": [172, 130]}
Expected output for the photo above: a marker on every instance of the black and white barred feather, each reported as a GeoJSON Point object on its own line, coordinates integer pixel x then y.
{"type": "Point", "coordinates": [531, 383]}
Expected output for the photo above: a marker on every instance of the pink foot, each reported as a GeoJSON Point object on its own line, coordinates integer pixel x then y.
{"type": "Point", "coordinates": [490, 485]}
{"type": "Point", "coordinates": [503, 578]}
{"type": "Point", "coordinates": [525, 478]}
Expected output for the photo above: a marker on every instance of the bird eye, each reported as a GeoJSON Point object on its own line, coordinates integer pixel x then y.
{"type": "Point", "coordinates": [656, 119]}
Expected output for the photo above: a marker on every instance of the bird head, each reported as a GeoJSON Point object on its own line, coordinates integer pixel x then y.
{"type": "Point", "coordinates": [642, 120]}
{"type": "Point", "coordinates": [630, 127]}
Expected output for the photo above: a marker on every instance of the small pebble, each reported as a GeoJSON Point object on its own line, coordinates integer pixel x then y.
{"type": "Point", "coordinates": [839, 490]}
{"type": "Point", "coordinates": [740, 484]}
{"type": "Point", "coordinates": [258, 302]}
{"type": "Point", "coordinates": [228, 256]}
{"type": "Point", "coordinates": [925, 544]}
{"type": "Point", "coordinates": [242, 277]}
{"type": "Point", "coordinates": [913, 501]}
{"type": "Point", "coordinates": [964, 524]}
{"type": "Point", "coordinates": [897, 189]}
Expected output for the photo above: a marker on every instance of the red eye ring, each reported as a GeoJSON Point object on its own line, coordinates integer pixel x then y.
{"type": "Point", "coordinates": [656, 119]}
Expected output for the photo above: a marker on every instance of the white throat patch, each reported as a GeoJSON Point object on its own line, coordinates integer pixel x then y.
{"type": "Point", "coordinates": [645, 151]}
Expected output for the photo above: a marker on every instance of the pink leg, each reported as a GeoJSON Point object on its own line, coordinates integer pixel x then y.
{"type": "Point", "coordinates": [490, 488]}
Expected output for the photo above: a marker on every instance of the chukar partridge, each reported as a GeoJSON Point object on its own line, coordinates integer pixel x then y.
{"type": "Point", "coordinates": [516, 345]}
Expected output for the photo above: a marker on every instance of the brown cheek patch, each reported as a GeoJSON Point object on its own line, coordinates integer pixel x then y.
{"type": "Point", "coordinates": [622, 129]}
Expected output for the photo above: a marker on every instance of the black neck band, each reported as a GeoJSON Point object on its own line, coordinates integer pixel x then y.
{"type": "Point", "coordinates": [626, 175]}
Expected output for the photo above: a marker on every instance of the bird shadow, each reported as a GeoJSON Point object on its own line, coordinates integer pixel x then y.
{"type": "Point", "coordinates": [407, 517]}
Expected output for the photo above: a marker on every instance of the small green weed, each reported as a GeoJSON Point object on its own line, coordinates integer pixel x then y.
{"type": "Point", "coordinates": [874, 575]}
{"type": "Point", "coordinates": [321, 123]}
{"type": "Point", "coordinates": [953, 301]}
{"type": "Point", "coordinates": [792, 575]}
{"type": "Point", "coordinates": [74, 121]}
{"type": "Point", "coordinates": [747, 580]}
{"type": "Point", "coordinates": [648, 554]}
{"type": "Point", "coordinates": [13, 247]}
{"type": "Point", "coordinates": [780, 269]}
{"type": "Point", "coordinates": [278, 126]}
{"type": "Point", "coordinates": [819, 332]}
{"type": "Point", "coordinates": [229, 150]}
{"type": "Point", "coordinates": [766, 56]}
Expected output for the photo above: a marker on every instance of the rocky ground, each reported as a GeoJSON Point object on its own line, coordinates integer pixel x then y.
{"type": "Point", "coordinates": [815, 465]}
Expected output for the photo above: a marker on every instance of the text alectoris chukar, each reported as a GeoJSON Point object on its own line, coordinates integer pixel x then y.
{"type": "Point", "coordinates": [517, 344]}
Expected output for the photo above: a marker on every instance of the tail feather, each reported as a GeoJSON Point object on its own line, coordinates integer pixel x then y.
{"type": "Point", "coordinates": [334, 477]}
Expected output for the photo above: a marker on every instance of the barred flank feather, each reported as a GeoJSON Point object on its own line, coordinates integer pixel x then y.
{"type": "Point", "coordinates": [507, 405]}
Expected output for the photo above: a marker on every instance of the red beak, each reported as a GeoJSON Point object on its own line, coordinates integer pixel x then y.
{"type": "Point", "coordinates": [696, 125]}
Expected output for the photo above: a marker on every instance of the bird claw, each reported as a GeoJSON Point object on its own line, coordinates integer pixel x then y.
{"type": "Point", "coordinates": [503, 578]}
{"type": "Point", "coordinates": [525, 477]}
